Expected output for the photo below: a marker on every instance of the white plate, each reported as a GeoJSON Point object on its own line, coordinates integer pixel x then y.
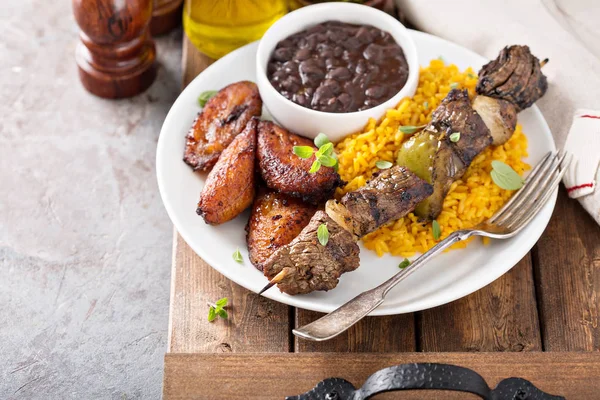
{"type": "Point", "coordinates": [449, 277]}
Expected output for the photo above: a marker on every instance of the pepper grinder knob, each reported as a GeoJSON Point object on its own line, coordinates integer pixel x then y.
{"type": "Point", "coordinates": [115, 55]}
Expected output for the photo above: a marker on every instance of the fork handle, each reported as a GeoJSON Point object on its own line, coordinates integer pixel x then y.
{"type": "Point", "coordinates": [348, 314]}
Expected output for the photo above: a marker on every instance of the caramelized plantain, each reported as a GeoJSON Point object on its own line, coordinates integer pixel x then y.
{"type": "Point", "coordinates": [229, 187]}
{"type": "Point", "coordinates": [283, 171]}
{"type": "Point", "coordinates": [276, 219]}
{"type": "Point", "coordinates": [223, 117]}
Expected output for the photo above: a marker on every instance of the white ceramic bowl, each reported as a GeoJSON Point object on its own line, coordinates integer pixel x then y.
{"type": "Point", "coordinates": [305, 121]}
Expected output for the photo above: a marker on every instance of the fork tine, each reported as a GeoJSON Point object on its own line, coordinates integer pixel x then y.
{"type": "Point", "coordinates": [545, 194]}
{"type": "Point", "coordinates": [533, 194]}
{"type": "Point", "coordinates": [533, 177]}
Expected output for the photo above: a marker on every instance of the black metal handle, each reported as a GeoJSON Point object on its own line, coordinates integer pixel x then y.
{"type": "Point", "coordinates": [425, 376]}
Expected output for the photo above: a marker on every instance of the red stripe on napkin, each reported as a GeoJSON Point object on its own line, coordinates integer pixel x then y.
{"type": "Point", "coordinates": [569, 190]}
{"type": "Point", "coordinates": [590, 116]}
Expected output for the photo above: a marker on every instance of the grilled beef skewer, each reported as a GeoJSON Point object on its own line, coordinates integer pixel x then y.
{"type": "Point", "coordinates": [438, 160]}
{"type": "Point", "coordinates": [388, 196]}
{"type": "Point", "coordinates": [307, 264]}
{"type": "Point", "coordinates": [515, 76]}
{"type": "Point", "coordinates": [304, 265]}
{"type": "Point", "coordinates": [507, 85]}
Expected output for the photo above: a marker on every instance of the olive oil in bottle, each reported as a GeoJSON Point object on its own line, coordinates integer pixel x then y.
{"type": "Point", "coordinates": [217, 27]}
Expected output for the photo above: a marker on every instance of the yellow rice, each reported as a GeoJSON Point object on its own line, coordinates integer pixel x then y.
{"type": "Point", "coordinates": [471, 199]}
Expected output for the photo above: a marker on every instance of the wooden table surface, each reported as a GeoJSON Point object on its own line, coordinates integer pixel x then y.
{"type": "Point", "coordinates": [550, 301]}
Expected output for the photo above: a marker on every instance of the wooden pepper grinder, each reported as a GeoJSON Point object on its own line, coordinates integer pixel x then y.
{"type": "Point", "coordinates": [166, 16]}
{"type": "Point", "coordinates": [116, 55]}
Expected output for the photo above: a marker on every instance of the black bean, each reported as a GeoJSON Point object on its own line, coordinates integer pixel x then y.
{"type": "Point", "coordinates": [310, 71]}
{"type": "Point", "coordinates": [290, 84]}
{"type": "Point", "coordinates": [361, 67]}
{"type": "Point", "coordinates": [282, 54]}
{"type": "Point", "coordinates": [351, 43]}
{"type": "Point", "coordinates": [326, 52]}
{"type": "Point", "coordinates": [370, 103]}
{"type": "Point", "coordinates": [279, 75]}
{"type": "Point", "coordinates": [373, 53]}
{"type": "Point", "coordinates": [344, 100]}
{"type": "Point", "coordinates": [375, 91]}
{"type": "Point", "coordinates": [302, 54]}
{"type": "Point", "coordinates": [289, 67]}
{"type": "Point", "coordinates": [364, 35]}
{"type": "Point", "coordinates": [339, 73]}
{"type": "Point", "coordinates": [286, 43]}
{"type": "Point", "coordinates": [316, 29]}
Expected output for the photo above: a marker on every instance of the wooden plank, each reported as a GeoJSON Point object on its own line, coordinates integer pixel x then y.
{"type": "Point", "coordinates": [193, 62]}
{"type": "Point", "coordinates": [259, 376]}
{"type": "Point", "coordinates": [373, 334]}
{"type": "Point", "coordinates": [567, 271]}
{"type": "Point", "coordinates": [255, 323]}
{"type": "Point", "coordinates": [500, 317]}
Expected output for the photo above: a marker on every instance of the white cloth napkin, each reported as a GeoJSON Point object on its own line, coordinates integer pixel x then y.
{"type": "Point", "coordinates": [565, 31]}
{"type": "Point", "coordinates": [582, 177]}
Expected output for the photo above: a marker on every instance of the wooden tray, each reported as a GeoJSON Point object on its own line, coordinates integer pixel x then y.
{"type": "Point", "coordinates": [550, 301]}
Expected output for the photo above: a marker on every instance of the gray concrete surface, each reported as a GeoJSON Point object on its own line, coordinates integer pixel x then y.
{"type": "Point", "coordinates": [85, 244]}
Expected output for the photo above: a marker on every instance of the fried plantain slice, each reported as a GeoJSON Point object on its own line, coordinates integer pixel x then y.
{"type": "Point", "coordinates": [229, 187]}
{"type": "Point", "coordinates": [284, 171]}
{"type": "Point", "coordinates": [276, 219]}
{"type": "Point", "coordinates": [223, 117]}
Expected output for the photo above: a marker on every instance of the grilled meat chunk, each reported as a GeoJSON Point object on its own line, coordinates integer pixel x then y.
{"type": "Point", "coordinates": [515, 76]}
{"type": "Point", "coordinates": [500, 116]}
{"type": "Point", "coordinates": [390, 195]}
{"type": "Point", "coordinates": [229, 187]}
{"type": "Point", "coordinates": [223, 117]}
{"type": "Point", "coordinates": [455, 114]}
{"type": "Point", "coordinates": [432, 156]}
{"type": "Point", "coordinates": [309, 265]}
{"type": "Point", "coordinates": [285, 172]}
{"type": "Point", "coordinates": [276, 219]}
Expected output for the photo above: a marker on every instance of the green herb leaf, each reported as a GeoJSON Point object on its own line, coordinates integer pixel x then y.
{"type": "Point", "coordinates": [426, 105]}
{"type": "Point", "coordinates": [323, 234]}
{"type": "Point", "coordinates": [472, 76]}
{"type": "Point", "coordinates": [237, 256]}
{"type": "Point", "coordinates": [410, 129]}
{"type": "Point", "coordinates": [316, 165]}
{"type": "Point", "coordinates": [222, 302]}
{"type": "Point", "coordinates": [441, 58]}
{"type": "Point", "coordinates": [381, 164]}
{"type": "Point", "coordinates": [326, 149]}
{"type": "Point", "coordinates": [505, 177]}
{"type": "Point", "coordinates": [455, 137]}
{"type": "Point", "coordinates": [453, 85]}
{"type": "Point", "coordinates": [437, 231]}
{"type": "Point", "coordinates": [303, 151]}
{"type": "Point", "coordinates": [205, 96]}
{"type": "Point", "coordinates": [321, 140]}
{"type": "Point", "coordinates": [211, 314]}
{"type": "Point", "coordinates": [405, 263]}
{"type": "Point", "coordinates": [222, 313]}
{"type": "Point", "coordinates": [327, 161]}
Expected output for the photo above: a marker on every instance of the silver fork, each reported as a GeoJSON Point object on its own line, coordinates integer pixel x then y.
{"type": "Point", "coordinates": [507, 222]}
